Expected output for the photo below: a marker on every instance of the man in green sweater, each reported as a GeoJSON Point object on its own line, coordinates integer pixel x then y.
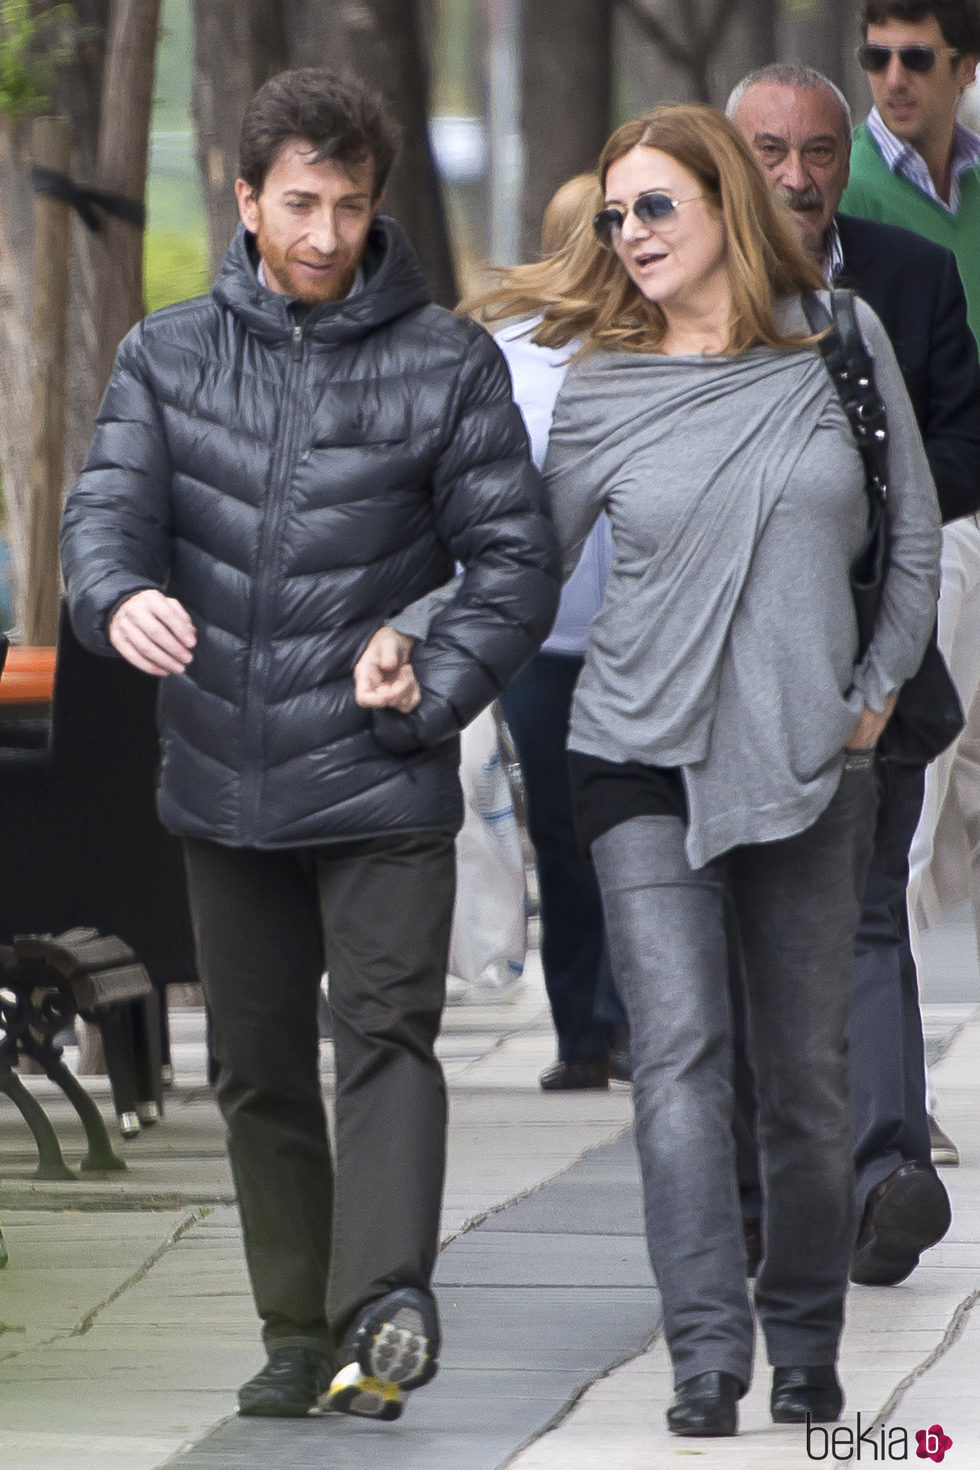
{"type": "Point", "coordinates": [913, 164]}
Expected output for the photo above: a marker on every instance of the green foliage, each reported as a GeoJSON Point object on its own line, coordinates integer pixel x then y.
{"type": "Point", "coordinates": [31, 50]}
{"type": "Point", "coordinates": [175, 266]}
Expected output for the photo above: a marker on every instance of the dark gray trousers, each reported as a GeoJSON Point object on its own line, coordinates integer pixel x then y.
{"type": "Point", "coordinates": [319, 1241]}
{"type": "Point", "coordinates": [887, 1061]}
{"type": "Point", "coordinates": [796, 904]}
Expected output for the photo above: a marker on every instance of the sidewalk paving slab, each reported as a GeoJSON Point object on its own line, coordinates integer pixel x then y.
{"type": "Point", "coordinates": [126, 1323]}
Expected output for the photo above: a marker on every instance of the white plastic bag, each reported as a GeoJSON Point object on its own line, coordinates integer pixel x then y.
{"type": "Point", "coordinates": [488, 946]}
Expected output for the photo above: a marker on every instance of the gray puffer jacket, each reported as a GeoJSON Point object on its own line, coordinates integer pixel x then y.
{"type": "Point", "coordinates": [295, 479]}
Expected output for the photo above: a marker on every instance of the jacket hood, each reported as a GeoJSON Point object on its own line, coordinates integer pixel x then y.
{"type": "Point", "coordinates": [394, 285]}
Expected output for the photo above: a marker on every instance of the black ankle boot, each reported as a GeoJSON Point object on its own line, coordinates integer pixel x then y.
{"type": "Point", "coordinates": [706, 1405]}
{"type": "Point", "coordinates": [801, 1392]}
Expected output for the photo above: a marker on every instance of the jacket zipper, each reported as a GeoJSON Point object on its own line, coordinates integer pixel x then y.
{"type": "Point", "coordinates": [280, 476]}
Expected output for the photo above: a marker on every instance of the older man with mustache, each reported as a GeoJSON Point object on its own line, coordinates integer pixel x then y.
{"type": "Point", "coordinates": [799, 126]}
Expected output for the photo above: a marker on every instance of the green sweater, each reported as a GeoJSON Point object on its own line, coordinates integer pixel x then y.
{"type": "Point", "coordinates": [874, 192]}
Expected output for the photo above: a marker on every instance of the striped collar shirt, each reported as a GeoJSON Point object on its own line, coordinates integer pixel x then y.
{"type": "Point", "coordinates": [833, 256]}
{"type": "Point", "coordinates": [903, 159]}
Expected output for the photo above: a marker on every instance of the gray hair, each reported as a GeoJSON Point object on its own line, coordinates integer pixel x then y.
{"type": "Point", "coordinates": [788, 74]}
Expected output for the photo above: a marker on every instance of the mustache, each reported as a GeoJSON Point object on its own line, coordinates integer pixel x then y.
{"type": "Point", "coordinates": [800, 200]}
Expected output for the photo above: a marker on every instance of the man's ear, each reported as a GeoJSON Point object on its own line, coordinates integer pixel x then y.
{"type": "Point", "coordinates": [966, 70]}
{"type": "Point", "coordinates": [248, 205]}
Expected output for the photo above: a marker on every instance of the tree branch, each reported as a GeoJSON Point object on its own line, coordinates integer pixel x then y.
{"type": "Point", "coordinates": [657, 32]}
{"type": "Point", "coordinates": [724, 14]}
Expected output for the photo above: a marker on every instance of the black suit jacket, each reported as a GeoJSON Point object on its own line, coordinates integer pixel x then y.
{"type": "Point", "coordinates": [914, 287]}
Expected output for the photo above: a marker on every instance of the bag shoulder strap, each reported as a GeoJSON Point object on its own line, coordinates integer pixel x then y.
{"type": "Point", "coordinates": [851, 369]}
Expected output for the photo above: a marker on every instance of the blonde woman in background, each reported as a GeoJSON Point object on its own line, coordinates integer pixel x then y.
{"type": "Point", "coordinates": [589, 1021]}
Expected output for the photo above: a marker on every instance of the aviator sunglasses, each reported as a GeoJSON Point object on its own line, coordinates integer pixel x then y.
{"type": "Point", "coordinates": [655, 208]}
{"type": "Point", "coordinates": [919, 59]}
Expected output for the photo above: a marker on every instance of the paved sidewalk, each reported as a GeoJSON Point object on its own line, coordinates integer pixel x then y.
{"type": "Point", "coordinates": [126, 1324]}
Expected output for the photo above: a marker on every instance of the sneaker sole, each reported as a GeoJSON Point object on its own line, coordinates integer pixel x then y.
{"type": "Point", "coordinates": [398, 1351]}
{"type": "Point", "coordinates": [398, 1342]}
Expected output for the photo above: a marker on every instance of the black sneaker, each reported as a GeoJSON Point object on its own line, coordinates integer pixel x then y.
{"type": "Point", "coordinates": [289, 1385]}
{"type": "Point", "coordinates": [392, 1348]}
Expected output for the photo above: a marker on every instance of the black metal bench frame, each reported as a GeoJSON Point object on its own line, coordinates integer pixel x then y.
{"type": "Point", "coordinates": [45, 982]}
{"type": "Point", "coordinates": [82, 844]}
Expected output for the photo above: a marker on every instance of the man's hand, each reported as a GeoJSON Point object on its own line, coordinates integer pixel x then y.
{"type": "Point", "coordinates": [153, 633]}
{"type": "Point", "coordinates": [867, 731]}
{"type": "Point", "coordinates": [383, 676]}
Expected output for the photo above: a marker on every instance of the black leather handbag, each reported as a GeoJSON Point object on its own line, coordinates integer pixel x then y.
{"type": "Point", "coordinates": [928, 715]}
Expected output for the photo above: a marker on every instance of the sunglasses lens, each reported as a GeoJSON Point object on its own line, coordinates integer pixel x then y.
{"type": "Point", "coordinates": [607, 225]}
{"type": "Point", "coordinates": [919, 59]}
{"type": "Point", "coordinates": [873, 58]}
{"type": "Point", "coordinates": [652, 207]}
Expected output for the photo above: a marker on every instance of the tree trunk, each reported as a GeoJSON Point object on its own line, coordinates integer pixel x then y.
{"type": "Point", "coordinates": [16, 344]}
{"type": "Point", "coordinates": [77, 95]}
{"type": "Point", "coordinates": [385, 46]}
{"type": "Point", "coordinates": [238, 44]}
{"type": "Point", "coordinates": [693, 44]}
{"type": "Point", "coordinates": [51, 147]}
{"type": "Point", "coordinates": [317, 33]}
{"type": "Point", "coordinates": [116, 251]}
{"type": "Point", "coordinates": [762, 23]}
{"type": "Point", "coordinates": [819, 34]}
{"type": "Point", "coordinates": [566, 68]}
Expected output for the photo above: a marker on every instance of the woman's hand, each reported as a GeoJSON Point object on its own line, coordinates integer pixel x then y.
{"type": "Point", "coordinates": [867, 731]}
{"type": "Point", "coordinates": [383, 676]}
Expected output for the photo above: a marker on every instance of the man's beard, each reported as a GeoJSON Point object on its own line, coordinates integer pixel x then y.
{"type": "Point", "coordinates": [309, 293]}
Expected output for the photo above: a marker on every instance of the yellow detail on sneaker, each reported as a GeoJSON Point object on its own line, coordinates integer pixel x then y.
{"type": "Point", "coordinates": [353, 1392]}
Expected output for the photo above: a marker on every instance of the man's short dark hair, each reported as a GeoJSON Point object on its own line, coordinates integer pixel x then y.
{"type": "Point", "coordinates": [959, 20]}
{"type": "Point", "coordinates": [341, 117]}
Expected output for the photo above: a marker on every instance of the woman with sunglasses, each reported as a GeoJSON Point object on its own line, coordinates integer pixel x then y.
{"type": "Point", "coordinates": [722, 733]}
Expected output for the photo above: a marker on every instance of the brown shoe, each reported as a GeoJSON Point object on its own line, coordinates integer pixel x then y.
{"type": "Point", "coordinates": [945, 1154]}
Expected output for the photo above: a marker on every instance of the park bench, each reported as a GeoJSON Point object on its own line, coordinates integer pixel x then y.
{"type": "Point", "coordinates": [45, 982]}
{"type": "Point", "coordinates": [83, 846]}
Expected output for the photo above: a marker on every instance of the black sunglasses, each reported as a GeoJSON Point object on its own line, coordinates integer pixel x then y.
{"type": "Point", "coordinates": [650, 209]}
{"type": "Point", "coordinates": [919, 59]}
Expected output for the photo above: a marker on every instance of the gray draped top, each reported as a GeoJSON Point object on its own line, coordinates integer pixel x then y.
{"type": "Point", "coordinates": [726, 640]}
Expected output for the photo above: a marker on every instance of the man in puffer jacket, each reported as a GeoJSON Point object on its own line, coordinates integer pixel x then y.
{"type": "Point", "coordinates": [279, 468]}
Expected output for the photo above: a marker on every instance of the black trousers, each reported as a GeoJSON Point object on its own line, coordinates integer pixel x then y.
{"type": "Point", "coordinates": [891, 1122]}
{"type": "Point", "coordinates": [320, 1240]}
